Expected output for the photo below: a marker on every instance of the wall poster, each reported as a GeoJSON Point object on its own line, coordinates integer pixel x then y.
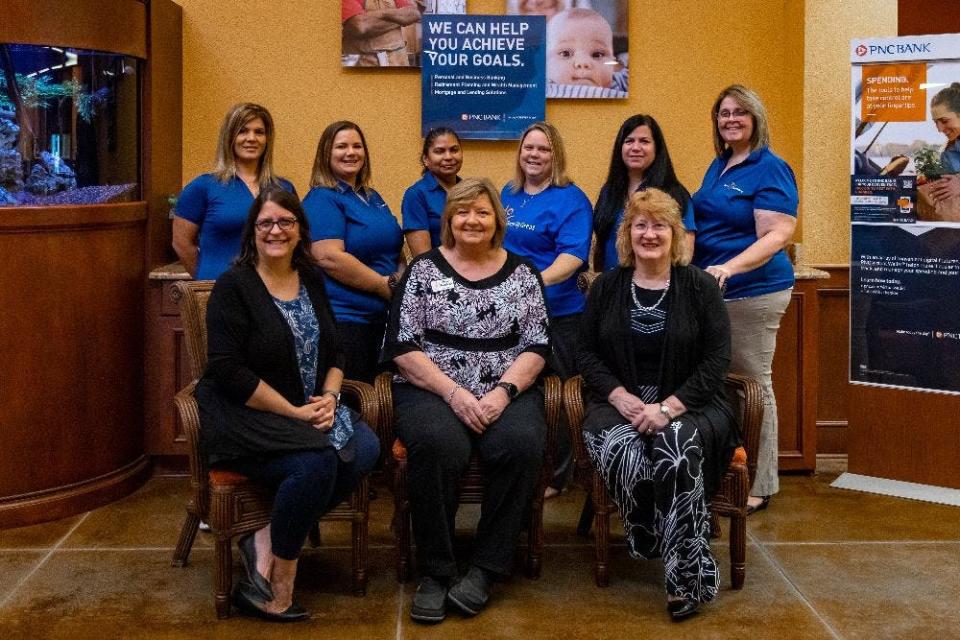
{"type": "Point", "coordinates": [387, 33]}
{"type": "Point", "coordinates": [483, 76]}
{"type": "Point", "coordinates": [905, 213]}
{"type": "Point", "coordinates": [587, 53]}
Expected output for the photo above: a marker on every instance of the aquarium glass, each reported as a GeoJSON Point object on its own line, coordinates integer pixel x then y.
{"type": "Point", "coordinates": [69, 126]}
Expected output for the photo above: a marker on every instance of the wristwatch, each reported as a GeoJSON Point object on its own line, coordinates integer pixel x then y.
{"type": "Point", "coordinates": [510, 388]}
{"type": "Point", "coordinates": [665, 411]}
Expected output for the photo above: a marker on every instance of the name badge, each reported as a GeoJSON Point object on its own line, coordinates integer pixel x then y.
{"type": "Point", "coordinates": [444, 284]}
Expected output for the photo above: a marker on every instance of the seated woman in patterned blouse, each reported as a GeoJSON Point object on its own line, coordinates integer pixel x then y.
{"type": "Point", "coordinates": [654, 350]}
{"type": "Point", "coordinates": [468, 333]}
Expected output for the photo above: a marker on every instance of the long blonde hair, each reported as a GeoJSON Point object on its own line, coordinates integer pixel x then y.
{"type": "Point", "coordinates": [225, 166]}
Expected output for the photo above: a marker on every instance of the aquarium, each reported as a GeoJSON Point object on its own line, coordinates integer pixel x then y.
{"type": "Point", "coordinates": [69, 126]}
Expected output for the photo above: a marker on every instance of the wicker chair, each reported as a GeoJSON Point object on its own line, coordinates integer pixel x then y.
{"type": "Point", "coordinates": [731, 497]}
{"type": "Point", "coordinates": [229, 502]}
{"type": "Point", "coordinates": [471, 484]}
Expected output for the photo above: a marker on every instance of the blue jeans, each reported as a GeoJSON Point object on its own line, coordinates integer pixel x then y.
{"type": "Point", "coordinates": [308, 484]}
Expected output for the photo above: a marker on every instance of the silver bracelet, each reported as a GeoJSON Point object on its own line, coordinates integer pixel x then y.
{"type": "Point", "coordinates": [452, 391]}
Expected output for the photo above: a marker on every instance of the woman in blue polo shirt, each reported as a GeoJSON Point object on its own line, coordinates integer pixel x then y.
{"type": "Point", "coordinates": [357, 243]}
{"type": "Point", "coordinates": [746, 211]}
{"type": "Point", "coordinates": [211, 210]}
{"type": "Point", "coordinates": [549, 222]}
{"type": "Point", "coordinates": [639, 160]}
{"type": "Point", "coordinates": [423, 202]}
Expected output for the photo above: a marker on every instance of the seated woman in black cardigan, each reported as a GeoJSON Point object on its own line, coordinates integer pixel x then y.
{"type": "Point", "coordinates": [269, 400]}
{"type": "Point", "coordinates": [654, 351]}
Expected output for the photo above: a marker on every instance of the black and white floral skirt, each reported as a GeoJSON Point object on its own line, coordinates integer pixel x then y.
{"type": "Point", "coordinates": [657, 483]}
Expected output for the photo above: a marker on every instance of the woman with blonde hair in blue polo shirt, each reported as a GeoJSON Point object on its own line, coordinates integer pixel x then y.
{"type": "Point", "coordinates": [211, 210]}
{"type": "Point", "coordinates": [746, 211]}
{"type": "Point", "coordinates": [549, 222]}
{"type": "Point", "coordinates": [356, 241]}
{"type": "Point", "coordinates": [423, 201]}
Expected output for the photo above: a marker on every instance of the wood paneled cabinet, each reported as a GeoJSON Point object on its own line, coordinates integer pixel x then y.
{"type": "Point", "coordinates": [167, 366]}
{"type": "Point", "coordinates": [795, 376]}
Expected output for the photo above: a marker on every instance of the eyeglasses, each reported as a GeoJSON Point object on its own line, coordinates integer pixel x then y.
{"type": "Point", "coordinates": [285, 224]}
{"type": "Point", "coordinates": [736, 113]}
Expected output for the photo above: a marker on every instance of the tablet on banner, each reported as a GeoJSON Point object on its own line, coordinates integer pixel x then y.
{"type": "Point", "coordinates": [587, 53]}
{"type": "Point", "coordinates": [483, 76]}
{"type": "Point", "coordinates": [387, 33]}
{"type": "Point", "coordinates": [905, 213]}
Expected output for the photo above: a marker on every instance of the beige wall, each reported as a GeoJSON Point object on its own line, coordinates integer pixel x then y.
{"type": "Point", "coordinates": [830, 25]}
{"type": "Point", "coordinates": [286, 56]}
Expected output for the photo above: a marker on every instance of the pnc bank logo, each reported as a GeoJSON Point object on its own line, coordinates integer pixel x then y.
{"type": "Point", "coordinates": [898, 48]}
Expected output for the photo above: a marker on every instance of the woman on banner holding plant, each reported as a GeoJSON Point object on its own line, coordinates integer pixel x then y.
{"type": "Point", "coordinates": [746, 211]}
{"type": "Point", "coordinates": [938, 199]}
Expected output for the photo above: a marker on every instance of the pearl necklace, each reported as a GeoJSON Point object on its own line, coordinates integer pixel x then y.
{"type": "Point", "coordinates": [636, 301]}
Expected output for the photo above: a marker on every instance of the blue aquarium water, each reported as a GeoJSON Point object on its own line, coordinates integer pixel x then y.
{"type": "Point", "coordinates": [69, 126]}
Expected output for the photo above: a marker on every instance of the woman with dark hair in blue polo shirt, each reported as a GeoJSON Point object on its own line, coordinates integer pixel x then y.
{"type": "Point", "coordinates": [423, 202]}
{"type": "Point", "coordinates": [639, 160]}
{"type": "Point", "coordinates": [549, 222]}
{"type": "Point", "coordinates": [211, 210]}
{"type": "Point", "coordinates": [357, 243]}
{"type": "Point", "coordinates": [746, 211]}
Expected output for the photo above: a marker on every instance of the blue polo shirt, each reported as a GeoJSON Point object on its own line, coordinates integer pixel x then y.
{"type": "Point", "coordinates": [370, 234]}
{"type": "Point", "coordinates": [220, 210]}
{"type": "Point", "coordinates": [542, 226]}
{"type": "Point", "coordinates": [723, 208]}
{"type": "Point", "coordinates": [610, 259]}
{"type": "Point", "coordinates": [422, 206]}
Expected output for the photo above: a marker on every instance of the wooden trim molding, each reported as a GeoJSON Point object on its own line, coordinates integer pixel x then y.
{"type": "Point", "coordinates": [94, 216]}
{"type": "Point", "coordinates": [118, 26]}
{"type": "Point", "coordinates": [62, 502]}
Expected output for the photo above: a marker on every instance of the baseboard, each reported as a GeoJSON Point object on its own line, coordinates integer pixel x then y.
{"type": "Point", "coordinates": [831, 463]}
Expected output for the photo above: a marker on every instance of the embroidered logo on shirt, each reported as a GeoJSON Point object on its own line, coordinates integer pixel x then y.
{"type": "Point", "coordinates": [733, 186]}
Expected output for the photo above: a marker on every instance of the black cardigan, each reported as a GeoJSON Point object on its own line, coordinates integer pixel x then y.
{"type": "Point", "coordinates": [248, 340]}
{"type": "Point", "coordinates": [693, 362]}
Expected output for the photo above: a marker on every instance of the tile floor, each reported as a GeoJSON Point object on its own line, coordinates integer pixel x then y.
{"type": "Point", "coordinates": [822, 563]}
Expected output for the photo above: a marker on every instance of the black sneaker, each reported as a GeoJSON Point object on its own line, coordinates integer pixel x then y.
{"type": "Point", "coordinates": [472, 592]}
{"type": "Point", "coordinates": [430, 600]}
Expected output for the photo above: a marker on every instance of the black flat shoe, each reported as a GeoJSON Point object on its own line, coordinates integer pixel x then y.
{"type": "Point", "coordinates": [764, 501]}
{"type": "Point", "coordinates": [472, 592]}
{"type": "Point", "coordinates": [430, 601]}
{"type": "Point", "coordinates": [680, 610]}
{"type": "Point", "coordinates": [248, 558]}
{"type": "Point", "coordinates": [248, 600]}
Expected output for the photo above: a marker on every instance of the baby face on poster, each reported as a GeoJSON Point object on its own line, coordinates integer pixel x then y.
{"type": "Point", "coordinates": [580, 49]}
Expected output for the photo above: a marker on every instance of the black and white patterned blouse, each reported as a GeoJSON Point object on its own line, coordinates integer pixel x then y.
{"type": "Point", "coordinates": [472, 330]}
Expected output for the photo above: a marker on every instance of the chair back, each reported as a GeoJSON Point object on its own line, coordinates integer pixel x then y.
{"type": "Point", "coordinates": [192, 296]}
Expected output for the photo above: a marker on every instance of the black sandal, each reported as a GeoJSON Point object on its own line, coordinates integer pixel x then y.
{"type": "Point", "coordinates": [764, 502]}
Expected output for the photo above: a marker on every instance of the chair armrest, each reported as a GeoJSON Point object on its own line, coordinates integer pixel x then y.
{"type": "Point", "coordinates": [553, 410]}
{"type": "Point", "coordinates": [748, 392]}
{"type": "Point", "coordinates": [573, 404]}
{"type": "Point", "coordinates": [383, 386]}
{"type": "Point", "coordinates": [187, 410]}
{"type": "Point", "coordinates": [366, 399]}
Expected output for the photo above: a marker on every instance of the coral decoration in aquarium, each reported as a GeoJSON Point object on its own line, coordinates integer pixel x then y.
{"type": "Point", "coordinates": [69, 126]}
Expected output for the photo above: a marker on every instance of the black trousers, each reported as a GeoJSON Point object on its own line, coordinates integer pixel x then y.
{"type": "Point", "coordinates": [438, 451]}
{"type": "Point", "coordinates": [362, 344]}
